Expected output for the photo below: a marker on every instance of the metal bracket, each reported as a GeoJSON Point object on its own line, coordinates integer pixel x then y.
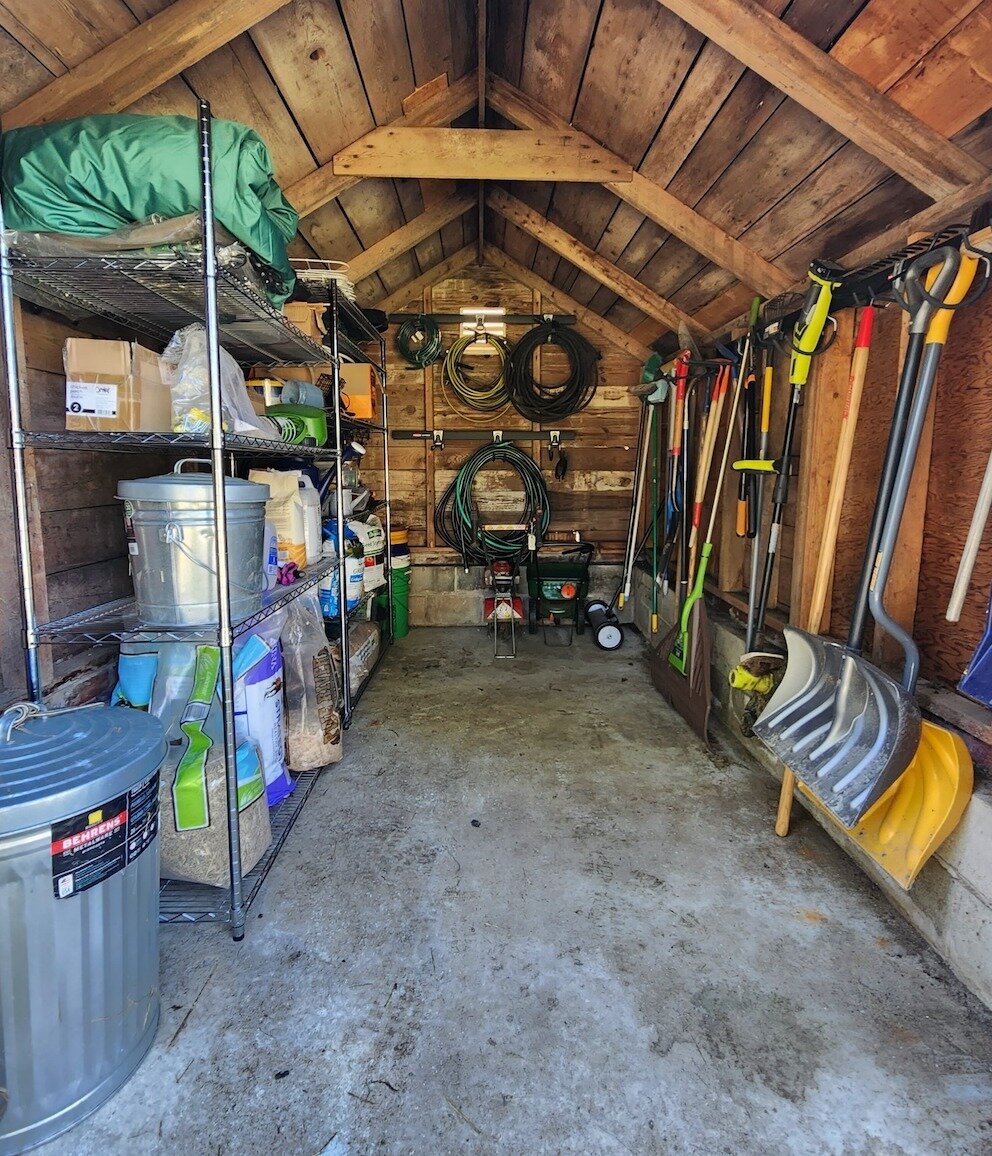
{"type": "Point", "coordinates": [497, 435]}
{"type": "Point", "coordinates": [437, 439]}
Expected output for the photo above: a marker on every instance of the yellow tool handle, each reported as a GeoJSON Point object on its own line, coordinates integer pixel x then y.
{"type": "Point", "coordinates": [766, 400]}
{"type": "Point", "coordinates": [941, 323]}
{"type": "Point", "coordinates": [823, 279]}
{"type": "Point", "coordinates": [756, 465]}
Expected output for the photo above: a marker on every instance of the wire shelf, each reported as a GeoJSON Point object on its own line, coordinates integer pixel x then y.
{"type": "Point", "coordinates": [155, 296]}
{"type": "Point", "coordinates": [195, 903]}
{"type": "Point", "coordinates": [118, 621]}
{"type": "Point", "coordinates": [135, 442]}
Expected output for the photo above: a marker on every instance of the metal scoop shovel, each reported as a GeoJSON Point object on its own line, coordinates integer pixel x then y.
{"type": "Point", "coordinates": [845, 728]}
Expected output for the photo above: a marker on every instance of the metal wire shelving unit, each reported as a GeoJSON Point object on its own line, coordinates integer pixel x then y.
{"type": "Point", "coordinates": [154, 296]}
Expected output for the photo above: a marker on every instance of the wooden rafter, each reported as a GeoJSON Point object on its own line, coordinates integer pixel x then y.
{"type": "Point", "coordinates": [832, 92]}
{"type": "Point", "coordinates": [588, 260]}
{"type": "Point", "coordinates": [589, 317]}
{"type": "Point", "coordinates": [316, 189]}
{"type": "Point", "coordinates": [402, 240]}
{"type": "Point", "coordinates": [480, 154]}
{"type": "Point", "coordinates": [656, 203]}
{"type": "Point", "coordinates": [413, 289]}
{"type": "Point", "coordinates": [141, 60]}
{"type": "Point", "coordinates": [482, 73]}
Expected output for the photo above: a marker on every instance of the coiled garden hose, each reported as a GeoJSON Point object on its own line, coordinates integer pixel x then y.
{"type": "Point", "coordinates": [487, 396]}
{"type": "Point", "coordinates": [419, 342]}
{"type": "Point", "coordinates": [456, 516]}
{"type": "Point", "coordinates": [548, 403]}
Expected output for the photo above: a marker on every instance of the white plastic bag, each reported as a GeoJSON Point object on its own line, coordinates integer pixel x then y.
{"type": "Point", "coordinates": [312, 723]}
{"type": "Point", "coordinates": [184, 367]}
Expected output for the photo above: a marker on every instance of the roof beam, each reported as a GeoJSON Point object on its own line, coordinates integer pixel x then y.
{"type": "Point", "coordinates": [589, 261]}
{"type": "Point", "coordinates": [447, 268]}
{"type": "Point", "coordinates": [313, 191]}
{"type": "Point", "coordinates": [655, 202]}
{"type": "Point", "coordinates": [832, 92]}
{"type": "Point", "coordinates": [480, 154]}
{"type": "Point", "coordinates": [402, 240]}
{"type": "Point", "coordinates": [147, 56]}
{"type": "Point", "coordinates": [588, 317]}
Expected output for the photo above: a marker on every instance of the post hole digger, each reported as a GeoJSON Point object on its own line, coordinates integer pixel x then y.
{"type": "Point", "coordinates": [846, 728]}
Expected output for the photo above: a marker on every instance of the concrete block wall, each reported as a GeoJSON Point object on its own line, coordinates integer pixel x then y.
{"type": "Point", "coordinates": [450, 596]}
{"type": "Point", "coordinates": [950, 903]}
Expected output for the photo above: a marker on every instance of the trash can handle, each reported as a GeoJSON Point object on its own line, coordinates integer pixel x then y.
{"type": "Point", "coordinates": [178, 468]}
{"type": "Point", "coordinates": [18, 714]}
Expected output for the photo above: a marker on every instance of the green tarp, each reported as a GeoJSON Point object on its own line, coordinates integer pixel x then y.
{"type": "Point", "coordinates": [91, 176]}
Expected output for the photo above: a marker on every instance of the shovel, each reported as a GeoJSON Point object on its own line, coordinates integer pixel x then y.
{"type": "Point", "coordinates": [847, 729]}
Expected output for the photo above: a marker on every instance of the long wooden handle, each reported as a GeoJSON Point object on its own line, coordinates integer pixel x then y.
{"type": "Point", "coordinates": [975, 532]}
{"type": "Point", "coordinates": [828, 544]}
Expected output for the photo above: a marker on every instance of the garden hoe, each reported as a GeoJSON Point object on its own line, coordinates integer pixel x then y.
{"type": "Point", "coordinates": [847, 729]}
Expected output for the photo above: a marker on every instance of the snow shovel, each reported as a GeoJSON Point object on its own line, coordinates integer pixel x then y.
{"type": "Point", "coordinates": [847, 729]}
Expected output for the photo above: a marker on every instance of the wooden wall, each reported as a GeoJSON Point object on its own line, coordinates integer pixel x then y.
{"type": "Point", "coordinates": [593, 498]}
{"type": "Point", "coordinates": [962, 442]}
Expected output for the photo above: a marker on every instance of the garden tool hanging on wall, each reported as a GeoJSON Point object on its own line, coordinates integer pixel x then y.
{"type": "Point", "coordinates": [846, 728]}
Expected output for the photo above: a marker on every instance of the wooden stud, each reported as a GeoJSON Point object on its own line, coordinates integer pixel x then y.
{"type": "Point", "coordinates": [551, 293]}
{"type": "Point", "coordinates": [656, 203]}
{"type": "Point", "coordinates": [589, 261]}
{"type": "Point", "coordinates": [835, 94]}
{"type": "Point", "coordinates": [154, 52]}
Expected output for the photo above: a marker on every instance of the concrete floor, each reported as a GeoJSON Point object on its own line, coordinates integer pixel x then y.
{"type": "Point", "coordinates": [529, 914]}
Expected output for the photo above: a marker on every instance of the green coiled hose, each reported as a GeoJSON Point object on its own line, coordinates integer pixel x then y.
{"type": "Point", "coordinates": [456, 515]}
{"type": "Point", "coordinates": [419, 342]}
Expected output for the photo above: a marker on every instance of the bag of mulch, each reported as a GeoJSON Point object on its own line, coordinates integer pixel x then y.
{"type": "Point", "coordinates": [193, 795]}
{"type": "Point", "coordinates": [313, 722]}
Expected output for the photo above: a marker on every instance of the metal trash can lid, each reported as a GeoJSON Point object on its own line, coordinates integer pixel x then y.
{"type": "Point", "coordinates": [198, 487]}
{"type": "Point", "coordinates": [56, 763]}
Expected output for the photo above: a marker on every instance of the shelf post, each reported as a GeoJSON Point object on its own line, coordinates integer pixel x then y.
{"type": "Point", "coordinates": [339, 514]}
{"type": "Point", "coordinates": [237, 917]}
{"type": "Point", "coordinates": [21, 516]}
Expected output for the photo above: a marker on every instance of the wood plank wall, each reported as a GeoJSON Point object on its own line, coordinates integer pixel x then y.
{"type": "Point", "coordinates": [961, 445]}
{"type": "Point", "coordinates": [594, 497]}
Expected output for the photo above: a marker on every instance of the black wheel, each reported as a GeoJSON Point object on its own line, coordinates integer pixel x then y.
{"type": "Point", "coordinates": [531, 615]}
{"type": "Point", "coordinates": [595, 604]}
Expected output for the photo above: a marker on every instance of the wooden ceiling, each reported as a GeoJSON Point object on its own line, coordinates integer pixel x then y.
{"type": "Point", "coordinates": [711, 147]}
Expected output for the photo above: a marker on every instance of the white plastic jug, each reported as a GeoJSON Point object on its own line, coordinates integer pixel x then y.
{"type": "Point", "coordinates": [312, 536]}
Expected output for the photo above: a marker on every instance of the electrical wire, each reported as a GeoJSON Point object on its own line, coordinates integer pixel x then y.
{"type": "Point", "coordinates": [456, 514]}
{"type": "Point", "coordinates": [549, 403]}
{"type": "Point", "coordinates": [419, 342]}
{"type": "Point", "coordinates": [485, 397]}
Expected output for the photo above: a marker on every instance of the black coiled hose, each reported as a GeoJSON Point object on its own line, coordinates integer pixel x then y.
{"type": "Point", "coordinates": [550, 403]}
{"type": "Point", "coordinates": [419, 342]}
{"type": "Point", "coordinates": [456, 515]}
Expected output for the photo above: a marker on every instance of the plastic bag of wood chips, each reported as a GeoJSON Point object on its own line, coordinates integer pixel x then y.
{"type": "Point", "coordinates": [183, 680]}
{"type": "Point", "coordinates": [312, 722]}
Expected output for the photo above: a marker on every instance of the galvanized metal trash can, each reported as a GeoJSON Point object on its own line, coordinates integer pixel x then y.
{"type": "Point", "coordinates": [170, 529]}
{"type": "Point", "coordinates": [79, 880]}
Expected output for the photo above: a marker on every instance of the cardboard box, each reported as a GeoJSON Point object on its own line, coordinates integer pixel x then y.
{"type": "Point", "coordinates": [360, 390]}
{"type": "Point", "coordinates": [307, 317]}
{"type": "Point", "coordinates": [114, 386]}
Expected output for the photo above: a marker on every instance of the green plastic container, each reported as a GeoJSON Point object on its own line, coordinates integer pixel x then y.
{"type": "Point", "coordinates": [311, 423]}
{"type": "Point", "coordinates": [401, 601]}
